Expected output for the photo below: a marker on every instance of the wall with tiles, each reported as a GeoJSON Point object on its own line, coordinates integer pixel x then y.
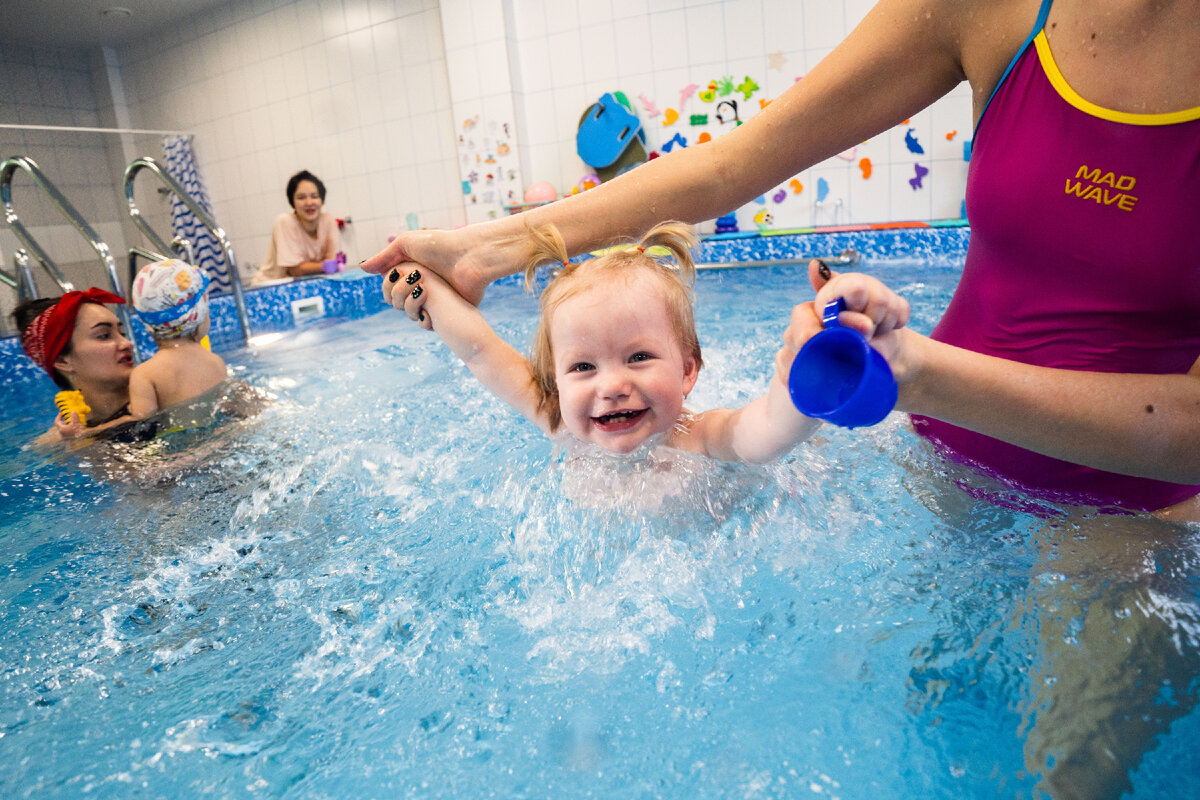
{"type": "Point", "coordinates": [48, 97]}
{"type": "Point", "coordinates": [477, 57]}
{"type": "Point", "coordinates": [663, 55]}
{"type": "Point", "coordinates": [438, 113]}
{"type": "Point", "coordinates": [352, 90]}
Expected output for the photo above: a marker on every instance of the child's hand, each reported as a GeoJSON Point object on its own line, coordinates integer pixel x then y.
{"type": "Point", "coordinates": [872, 309]}
{"type": "Point", "coordinates": [71, 428]}
{"type": "Point", "coordinates": [405, 292]}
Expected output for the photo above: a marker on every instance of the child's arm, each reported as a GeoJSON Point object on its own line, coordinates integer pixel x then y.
{"type": "Point", "coordinates": [770, 426]}
{"type": "Point", "coordinates": [766, 429]}
{"type": "Point", "coordinates": [143, 398]}
{"type": "Point", "coordinates": [496, 363]}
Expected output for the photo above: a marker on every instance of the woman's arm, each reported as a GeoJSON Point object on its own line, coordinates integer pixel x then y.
{"type": "Point", "coordinates": [903, 56]}
{"type": "Point", "coordinates": [493, 361]}
{"type": "Point", "coordinates": [1142, 425]}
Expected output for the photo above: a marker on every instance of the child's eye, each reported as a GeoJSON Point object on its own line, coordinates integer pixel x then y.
{"type": "Point", "coordinates": [636, 357]}
{"type": "Point", "coordinates": [582, 366]}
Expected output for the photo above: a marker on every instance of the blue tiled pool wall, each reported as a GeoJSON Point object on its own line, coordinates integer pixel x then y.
{"type": "Point", "coordinates": [357, 295]}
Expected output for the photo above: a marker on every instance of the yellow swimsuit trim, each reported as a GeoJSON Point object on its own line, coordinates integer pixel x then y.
{"type": "Point", "coordinates": [1071, 96]}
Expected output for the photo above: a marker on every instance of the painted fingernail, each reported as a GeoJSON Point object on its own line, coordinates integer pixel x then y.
{"type": "Point", "coordinates": [413, 277]}
{"type": "Point", "coordinates": [421, 316]}
{"type": "Point", "coordinates": [417, 292]}
{"type": "Point", "coordinates": [394, 276]}
{"type": "Point", "coordinates": [823, 269]}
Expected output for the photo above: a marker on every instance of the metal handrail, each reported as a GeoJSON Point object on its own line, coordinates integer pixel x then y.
{"type": "Point", "coordinates": [7, 169]}
{"type": "Point", "coordinates": [148, 163]}
{"type": "Point", "coordinates": [22, 277]}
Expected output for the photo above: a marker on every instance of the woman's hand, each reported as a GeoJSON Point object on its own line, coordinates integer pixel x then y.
{"type": "Point", "coordinates": [872, 309]}
{"type": "Point", "coordinates": [422, 294]}
{"type": "Point", "coordinates": [442, 252]}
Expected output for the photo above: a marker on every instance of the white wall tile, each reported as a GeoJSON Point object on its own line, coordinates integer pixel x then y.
{"type": "Point", "coordinates": [487, 20]}
{"type": "Point", "coordinates": [824, 24]}
{"type": "Point", "coordinates": [562, 16]}
{"type": "Point", "coordinates": [704, 33]}
{"type": "Point", "coordinates": [358, 14]}
{"type": "Point", "coordinates": [333, 18]}
{"type": "Point", "coordinates": [669, 44]}
{"type": "Point", "coordinates": [600, 61]}
{"type": "Point", "coordinates": [385, 41]}
{"type": "Point", "coordinates": [566, 57]}
{"type": "Point", "coordinates": [456, 21]}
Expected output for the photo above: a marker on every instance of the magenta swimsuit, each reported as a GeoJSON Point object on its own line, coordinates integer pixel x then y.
{"type": "Point", "coordinates": [1084, 255]}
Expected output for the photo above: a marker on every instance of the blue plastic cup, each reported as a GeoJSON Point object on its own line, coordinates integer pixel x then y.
{"type": "Point", "coordinates": [838, 377]}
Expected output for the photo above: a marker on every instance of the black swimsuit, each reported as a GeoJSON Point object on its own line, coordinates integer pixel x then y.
{"type": "Point", "coordinates": [136, 430]}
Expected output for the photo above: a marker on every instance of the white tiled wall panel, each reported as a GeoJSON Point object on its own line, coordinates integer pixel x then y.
{"type": "Point", "coordinates": [373, 97]}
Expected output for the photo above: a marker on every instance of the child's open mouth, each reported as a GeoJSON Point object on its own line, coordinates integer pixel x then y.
{"type": "Point", "coordinates": [618, 420]}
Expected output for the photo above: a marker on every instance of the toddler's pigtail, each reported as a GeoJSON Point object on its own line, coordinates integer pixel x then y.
{"type": "Point", "coordinates": [679, 240]}
{"type": "Point", "coordinates": [546, 246]}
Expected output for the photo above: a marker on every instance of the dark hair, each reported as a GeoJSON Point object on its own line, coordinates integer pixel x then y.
{"type": "Point", "coordinates": [24, 315]}
{"type": "Point", "coordinates": [294, 181]}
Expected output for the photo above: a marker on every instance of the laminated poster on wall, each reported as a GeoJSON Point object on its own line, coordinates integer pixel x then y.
{"type": "Point", "coordinates": [488, 167]}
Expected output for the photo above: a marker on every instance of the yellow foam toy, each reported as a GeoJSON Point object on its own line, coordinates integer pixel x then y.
{"type": "Point", "coordinates": [72, 401]}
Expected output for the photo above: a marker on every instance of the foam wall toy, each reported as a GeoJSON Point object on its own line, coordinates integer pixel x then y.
{"type": "Point", "coordinates": [540, 192]}
{"type": "Point", "coordinates": [610, 138]}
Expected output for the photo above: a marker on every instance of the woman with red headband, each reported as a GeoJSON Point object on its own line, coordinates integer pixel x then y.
{"type": "Point", "coordinates": [79, 342]}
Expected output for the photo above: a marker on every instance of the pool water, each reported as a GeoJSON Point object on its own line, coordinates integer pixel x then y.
{"type": "Point", "coordinates": [376, 588]}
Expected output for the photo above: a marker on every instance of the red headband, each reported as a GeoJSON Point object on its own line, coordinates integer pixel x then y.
{"type": "Point", "coordinates": [51, 330]}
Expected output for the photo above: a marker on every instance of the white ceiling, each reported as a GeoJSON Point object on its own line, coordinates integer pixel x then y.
{"type": "Point", "coordinates": [65, 23]}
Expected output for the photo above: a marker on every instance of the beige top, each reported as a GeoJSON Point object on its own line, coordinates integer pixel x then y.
{"type": "Point", "coordinates": [291, 245]}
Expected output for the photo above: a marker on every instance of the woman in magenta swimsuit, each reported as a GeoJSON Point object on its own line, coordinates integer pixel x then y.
{"type": "Point", "coordinates": [1067, 361]}
{"type": "Point", "coordinates": [1084, 171]}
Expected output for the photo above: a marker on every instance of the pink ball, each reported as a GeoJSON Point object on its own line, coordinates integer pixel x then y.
{"type": "Point", "coordinates": [540, 192]}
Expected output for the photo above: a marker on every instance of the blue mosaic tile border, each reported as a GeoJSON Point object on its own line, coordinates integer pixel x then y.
{"type": "Point", "coordinates": [357, 294]}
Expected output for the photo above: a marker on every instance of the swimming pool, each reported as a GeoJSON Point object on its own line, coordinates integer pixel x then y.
{"type": "Point", "coordinates": [376, 589]}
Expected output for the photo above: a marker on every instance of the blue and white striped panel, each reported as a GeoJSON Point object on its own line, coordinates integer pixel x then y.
{"type": "Point", "coordinates": [181, 164]}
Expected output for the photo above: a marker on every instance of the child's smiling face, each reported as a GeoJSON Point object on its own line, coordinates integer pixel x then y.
{"type": "Point", "coordinates": [618, 364]}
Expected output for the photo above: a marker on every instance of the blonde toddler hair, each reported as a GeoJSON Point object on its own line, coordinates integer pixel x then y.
{"type": "Point", "coordinates": [674, 272]}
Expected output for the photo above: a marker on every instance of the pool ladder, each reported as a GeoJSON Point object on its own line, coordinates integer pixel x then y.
{"type": "Point", "coordinates": [22, 279]}
{"type": "Point", "coordinates": [180, 246]}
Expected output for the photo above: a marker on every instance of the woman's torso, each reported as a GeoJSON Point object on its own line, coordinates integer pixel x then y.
{"type": "Point", "coordinates": [1082, 255]}
{"type": "Point", "coordinates": [291, 245]}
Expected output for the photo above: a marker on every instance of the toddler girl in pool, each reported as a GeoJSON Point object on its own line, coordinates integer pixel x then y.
{"type": "Point", "coordinates": [616, 352]}
{"type": "Point", "coordinates": [169, 299]}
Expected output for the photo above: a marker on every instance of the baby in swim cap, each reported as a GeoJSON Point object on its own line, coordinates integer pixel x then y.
{"type": "Point", "coordinates": [169, 299]}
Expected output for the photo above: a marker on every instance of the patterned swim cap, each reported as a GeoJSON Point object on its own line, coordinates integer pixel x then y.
{"type": "Point", "coordinates": [169, 298]}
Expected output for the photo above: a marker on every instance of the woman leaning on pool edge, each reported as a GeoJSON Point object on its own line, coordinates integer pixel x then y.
{"type": "Point", "coordinates": [304, 241]}
{"type": "Point", "coordinates": [80, 344]}
{"type": "Point", "coordinates": [1130, 63]}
